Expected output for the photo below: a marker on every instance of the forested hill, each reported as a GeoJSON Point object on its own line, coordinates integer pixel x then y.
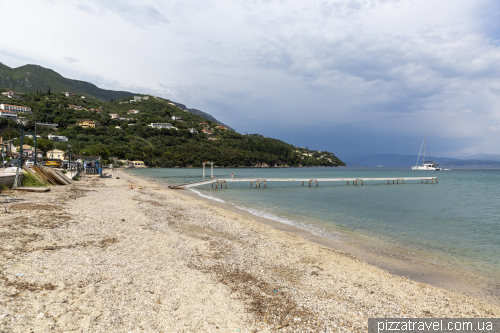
{"type": "Point", "coordinates": [34, 78]}
{"type": "Point", "coordinates": [31, 78]}
{"type": "Point", "coordinates": [131, 137]}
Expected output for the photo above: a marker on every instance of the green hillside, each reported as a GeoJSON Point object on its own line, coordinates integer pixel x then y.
{"type": "Point", "coordinates": [34, 78]}
{"type": "Point", "coordinates": [30, 78]}
{"type": "Point", "coordinates": [133, 139]}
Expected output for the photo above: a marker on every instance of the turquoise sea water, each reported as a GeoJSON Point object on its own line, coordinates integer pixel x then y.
{"type": "Point", "coordinates": [455, 222]}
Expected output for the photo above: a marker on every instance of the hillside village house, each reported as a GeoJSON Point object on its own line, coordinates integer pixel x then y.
{"type": "Point", "coordinates": [96, 110]}
{"type": "Point", "coordinates": [114, 115]}
{"type": "Point", "coordinates": [84, 97]}
{"type": "Point", "coordinates": [8, 114]}
{"type": "Point", "coordinates": [177, 118]}
{"type": "Point", "coordinates": [222, 128]}
{"type": "Point", "coordinates": [207, 131]}
{"type": "Point", "coordinates": [136, 164]}
{"type": "Point", "coordinates": [76, 107]}
{"type": "Point", "coordinates": [28, 151]}
{"type": "Point", "coordinates": [68, 94]}
{"type": "Point", "coordinates": [15, 108]}
{"type": "Point", "coordinates": [57, 137]}
{"type": "Point", "coordinates": [193, 130]}
{"type": "Point", "coordinates": [132, 111]}
{"type": "Point", "coordinates": [205, 125]}
{"type": "Point", "coordinates": [10, 94]}
{"type": "Point", "coordinates": [161, 125]}
{"type": "Point", "coordinates": [87, 124]}
{"type": "Point", "coordinates": [56, 154]}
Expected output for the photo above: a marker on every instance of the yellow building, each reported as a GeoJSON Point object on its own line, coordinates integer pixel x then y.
{"type": "Point", "coordinates": [137, 164]}
{"type": "Point", "coordinates": [87, 124]}
{"type": "Point", "coordinates": [56, 154]}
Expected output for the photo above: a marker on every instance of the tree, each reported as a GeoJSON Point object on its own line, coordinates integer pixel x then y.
{"type": "Point", "coordinates": [48, 92]}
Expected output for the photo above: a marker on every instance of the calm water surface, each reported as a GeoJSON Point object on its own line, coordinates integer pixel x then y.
{"type": "Point", "coordinates": [455, 222]}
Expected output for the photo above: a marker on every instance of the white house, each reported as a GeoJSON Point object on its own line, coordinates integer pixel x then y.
{"type": "Point", "coordinates": [193, 130]}
{"type": "Point", "coordinates": [68, 94]}
{"type": "Point", "coordinates": [177, 118]}
{"type": "Point", "coordinates": [114, 115]}
{"type": "Point", "coordinates": [8, 114]}
{"type": "Point", "coordinates": [15, 108]}
{"type": "Point", "coordinates": [10, 94]}
{"type": "Point", "coordinates": [137, 98]}
{"type": "Point", "coordinates": [162, 125]}
{"type": "Point", "coordinates": [57, 137]}
{"type": "Point", "coordinates": [132, 111]}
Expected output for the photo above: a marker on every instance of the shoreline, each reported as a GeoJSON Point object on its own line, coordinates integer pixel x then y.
{"type": "Point", "coordinates": [97, 256]}
{"type": "Point", "coordinates": [438, 275]}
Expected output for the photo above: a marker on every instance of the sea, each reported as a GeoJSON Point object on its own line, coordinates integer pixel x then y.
{"type": "Point", "coordinates": [454, 223]}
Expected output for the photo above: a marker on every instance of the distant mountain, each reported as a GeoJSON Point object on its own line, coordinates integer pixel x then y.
{"type": "Point", "coordinates": [483, 157]}
{"type": "Point", "coordinates": [395, 160]}
{"type": "Point", "coordinates": [29, 78]}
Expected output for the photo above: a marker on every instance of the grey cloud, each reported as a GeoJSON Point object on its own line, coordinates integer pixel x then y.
{"type": "Point", "coordinates": [347, 8]}
{"type": "Point", "coordinates": [135, 12]}
{"type": "Point", "coordinates": [71, 60]}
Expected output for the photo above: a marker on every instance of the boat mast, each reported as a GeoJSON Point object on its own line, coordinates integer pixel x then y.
{"type": "Point", "coordinates": [425, 144]}
{"type": "Point", "coordinates": [420, 153]}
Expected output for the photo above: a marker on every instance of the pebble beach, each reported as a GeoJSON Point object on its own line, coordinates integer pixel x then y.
{"type": "Point", "coordinates": [99, 257]}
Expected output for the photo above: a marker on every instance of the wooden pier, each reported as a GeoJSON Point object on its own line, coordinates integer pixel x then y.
{"type": "Point", "coordinates": [305, 181]}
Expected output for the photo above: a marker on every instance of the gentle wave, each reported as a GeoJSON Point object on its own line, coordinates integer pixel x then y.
{"type": "Point", "coordinates": [318, 231]}
{"type": "Point", "coordinates": [207, 196]}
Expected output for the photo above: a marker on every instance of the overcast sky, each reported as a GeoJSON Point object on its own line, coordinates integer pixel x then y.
{"type": "Point", "coordinates": [349, 76]}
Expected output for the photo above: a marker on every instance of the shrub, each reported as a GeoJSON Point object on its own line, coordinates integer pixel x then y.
{"type": "Point", "coordinates": [31, 181]}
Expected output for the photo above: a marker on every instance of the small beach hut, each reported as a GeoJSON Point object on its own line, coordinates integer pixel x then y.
{"type": "Point", "coordinates": [92, 165]}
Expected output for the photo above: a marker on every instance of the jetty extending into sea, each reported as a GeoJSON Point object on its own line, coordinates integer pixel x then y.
{"type": "Point", "coordinates": [264, 181]}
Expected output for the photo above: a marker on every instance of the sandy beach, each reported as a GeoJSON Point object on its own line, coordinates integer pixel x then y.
{"type": "Point", "coordinates": [99, 257]}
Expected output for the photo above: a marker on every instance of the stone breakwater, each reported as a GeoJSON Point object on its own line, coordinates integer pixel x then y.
{"type": "Point", "coordinates": [100, 257]}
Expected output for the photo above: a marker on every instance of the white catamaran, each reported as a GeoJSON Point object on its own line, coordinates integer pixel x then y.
{"type": "Point", "coordinates": [426, 165]}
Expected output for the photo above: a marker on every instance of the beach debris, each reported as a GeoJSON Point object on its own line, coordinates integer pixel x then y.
{"type": "Point", "coordinates": [40, 315]}
{"type": "Point", "coordinates": [117, 177]}
{"type": "Point", "coordinates": [123, 220]}
{"type": "Point", "coordinates": [20, 274]}
{"type": "Point", "coordinates": [283, 326]}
